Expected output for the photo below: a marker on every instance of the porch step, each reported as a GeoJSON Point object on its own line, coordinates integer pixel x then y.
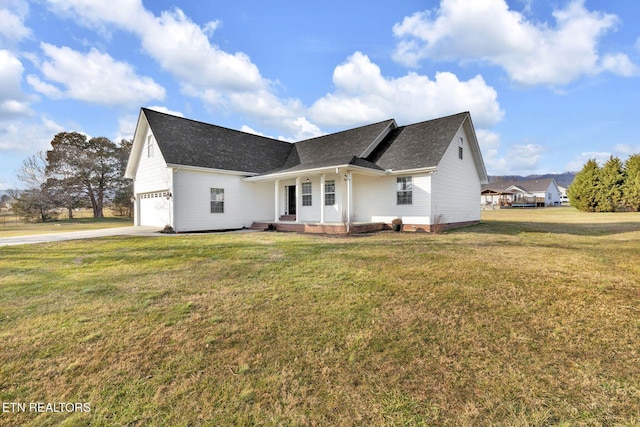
{"type": "Point", "coordinates": [287, 218]}
{"type": "Point", "coordinates": [262, 226]}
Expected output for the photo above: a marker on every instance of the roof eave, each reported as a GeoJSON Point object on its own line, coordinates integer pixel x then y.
{"type": "Point", "coordinates": [178, 167]}
{"type": "Point", "coordinates": [316, 171]}
{"type": "Point", "coordinates": [426, 169]}
{"type": "Point", "coordinates": [136, 146]}
{"type": "Point", "coordinates": [479, 161]}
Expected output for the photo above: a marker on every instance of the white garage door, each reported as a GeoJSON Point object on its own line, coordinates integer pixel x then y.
{"type": "Point", "coordinates": [155, 209]}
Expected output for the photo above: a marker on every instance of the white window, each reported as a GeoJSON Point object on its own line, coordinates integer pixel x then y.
{"type": "Point", "coordinates": [217, 200]}
{"type": "Point", "coordinates": [460, 145]}
{"type": "Point", "coordinates": [150, 146]}
{"type": "Point", "coordinates": [404, 190]}
{"type": "Point", "coordinates": [306, 194]}
{"type": "Point", "coordinates": [329, 193]}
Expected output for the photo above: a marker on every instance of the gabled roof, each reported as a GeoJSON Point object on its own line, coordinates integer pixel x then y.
{"type": "Point", "coordinates": [377, 147]}
{"type": "Point", "coordinates": [529, 185]}
{"type": "Point", "coordinates": [418, 145]}
{"type": "Point", "coordinates": [336, 149]}
{"type": "Point", "coordinates": [191, 143]}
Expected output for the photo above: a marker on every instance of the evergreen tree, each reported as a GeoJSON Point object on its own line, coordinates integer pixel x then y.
{"type": "Point", "coordinates": [84, 167]}
{"type": "Point", "coordinates": [631, 187]}
{"type": "Point", "coordinates": [122, 199]}
{"type": "Point", "coordinates": [609, 186]}
{"type": "Point", "coordinates": [582, 192]}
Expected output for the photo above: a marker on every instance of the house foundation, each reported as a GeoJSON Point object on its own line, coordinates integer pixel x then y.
{"type": "Point", "coordinates": [356, 228]}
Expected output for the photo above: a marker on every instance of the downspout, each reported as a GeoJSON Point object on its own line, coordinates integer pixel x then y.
{"type": "Point", "coordinates": [349, 177]}
{"type": "Point", "coordinates": [172, 210]}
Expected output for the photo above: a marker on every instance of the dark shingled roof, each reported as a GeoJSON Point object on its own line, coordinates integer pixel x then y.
{"type": "Point", "coordinates": [418, 145]}
{"type": "Point", "coordinates": [341, 148]}
{"type": "Point", "coordinates": [530, 185]}
{"type": "Point", "coordinates": [191, 143]}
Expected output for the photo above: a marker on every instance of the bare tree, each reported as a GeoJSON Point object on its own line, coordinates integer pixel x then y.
{"type": "Point", "coordinates": [36, 201]}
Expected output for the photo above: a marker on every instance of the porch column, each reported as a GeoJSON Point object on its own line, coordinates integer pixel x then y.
{"type": "Point", "coordinates": [276, 217]}
{"type": "Point", "coordinates": [349, 199]}
{"type": "Point", "coordinates": [322, 180]}
{"type": "Point", "coordinates": [298, 199]}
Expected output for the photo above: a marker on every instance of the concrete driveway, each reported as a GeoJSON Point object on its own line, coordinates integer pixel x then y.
{"type": "Point", "coordinates": [75, 235]}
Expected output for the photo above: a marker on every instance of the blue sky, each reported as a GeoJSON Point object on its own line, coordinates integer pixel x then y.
{"type": "Point", "coordinates": [549, 83]}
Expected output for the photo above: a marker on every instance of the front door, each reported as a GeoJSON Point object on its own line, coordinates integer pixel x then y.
{"type": "Point", "coordinates": [292, 199]}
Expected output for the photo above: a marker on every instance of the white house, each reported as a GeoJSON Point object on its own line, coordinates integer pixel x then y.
{"type": "Point", "coordinates": [194, 176]}
{"type": "Point", "coordinates": [522, 193]}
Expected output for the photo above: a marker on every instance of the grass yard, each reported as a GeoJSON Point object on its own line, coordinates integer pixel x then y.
{"type": "Point", "coordinates": [15, 228]}
{"type": "Point", "coordinates": [531, 318]}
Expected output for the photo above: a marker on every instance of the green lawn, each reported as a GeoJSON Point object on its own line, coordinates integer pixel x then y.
{"type": "Point", "coordinates": [531, 318]}
{"type": "Point", "coordinates": [11, 228]}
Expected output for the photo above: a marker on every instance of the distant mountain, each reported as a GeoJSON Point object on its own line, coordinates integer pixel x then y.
{"type": "Point", "coordinates": [562, 179]}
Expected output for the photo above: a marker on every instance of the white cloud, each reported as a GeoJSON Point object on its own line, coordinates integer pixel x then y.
{"type": "Point", "coordinates": [44, 88]}
{"type": "Point", "coordinates": [304, 129]}
{"type": "Point", "coordinates": [248, 129]}
{"type": "Point", "coordinates": [178, 44]}
{"type": "Point", "coordinates": [363, 95]}
{"type": "Point", "coordinates": [532, 53]}
{"type": "Point", "coordinates": [92, 77]}
{"type": "Point", "coordinates": [13, 102]}
{"type": "Point", "coordinates": [183, 48]}
{"type": "Point", "coordinates": [300, 128]}
{"type": "Point", "coordinates": [12, 15]}
{"type": "Point", "coordinates": [165, 110]}
{"type": "Point", "coordinates": [490, 148]}
{"type": "Point", "coordinates": [26, 136]}
{"type": "Point", "coordinates": [622, 151]}
{"type": "Point", "coordinates": [524, 158]}
{"type": "Point", "coordinates": [513, 159]}
{"type": "Point", "coordinates": [231, 81]}
{"type": "Point", "coordinates": [579, 161]}
{"type": "Point", "coordinates": [620, 64]}
{"type": "Point", "coordinates": [625, 150]}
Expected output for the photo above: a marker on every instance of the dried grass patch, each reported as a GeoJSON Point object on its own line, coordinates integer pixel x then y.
{"type": "Point", "coordinates": [507, 323]}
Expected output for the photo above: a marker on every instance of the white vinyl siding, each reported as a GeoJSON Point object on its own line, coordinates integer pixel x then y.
{"type": "Point", "coordinates": [152, 176]}
{"type": "Point", "coordinates": [244, 202]}
{"type": "Point", "coordinates": [333, 212]}
{"type": "Point", "coordinates": [456, 185]}
{"type": "Point", "coordinates": [375, 199]}
{"type": "Point", "coordinates": [217, 200]}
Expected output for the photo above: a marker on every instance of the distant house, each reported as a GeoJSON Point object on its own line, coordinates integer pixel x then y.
{"type": "Point", "coordinates": [564, 198]}
{"type": "Point", "coordinates": [526, 193]}
{"type": "Point", "coordinates": [195, 176]}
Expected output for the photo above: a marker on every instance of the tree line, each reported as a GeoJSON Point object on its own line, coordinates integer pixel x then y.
{"type": "Point", "coordinates": [78, 172]}
{"type": "Point", "coordinates": [613, 187]}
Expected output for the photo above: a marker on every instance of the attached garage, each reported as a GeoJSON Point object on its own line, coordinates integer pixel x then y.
{"type": "Point", "coordinates": [155, 208]}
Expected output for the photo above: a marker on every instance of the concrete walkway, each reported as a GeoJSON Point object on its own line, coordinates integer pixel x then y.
{"type": "Point", "coordinates": [75, 235]}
